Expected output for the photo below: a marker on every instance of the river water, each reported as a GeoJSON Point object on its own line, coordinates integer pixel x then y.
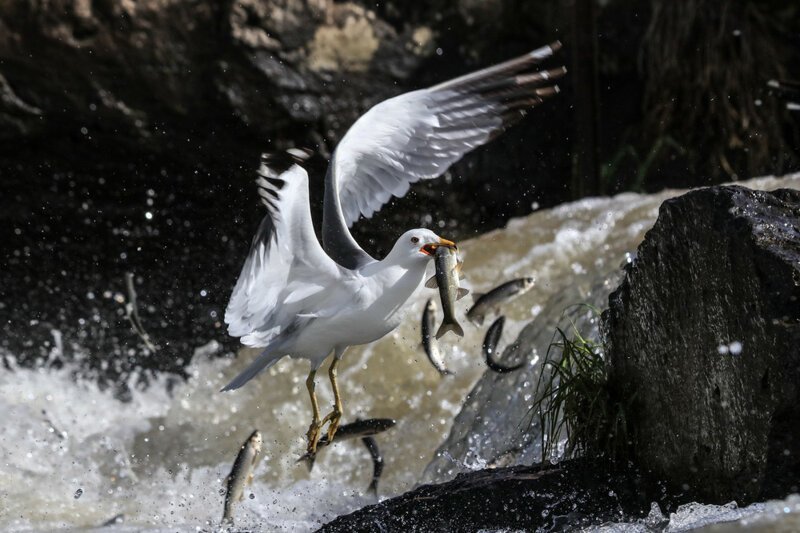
{"type": "Point", "coordinates": [73, 454]}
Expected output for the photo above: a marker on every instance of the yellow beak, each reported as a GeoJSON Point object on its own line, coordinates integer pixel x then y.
{"type": "Point", "coordinates": [430, 249]}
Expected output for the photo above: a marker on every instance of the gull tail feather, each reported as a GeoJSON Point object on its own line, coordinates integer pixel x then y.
{"type": "Point", "coordinates": [271, 355]}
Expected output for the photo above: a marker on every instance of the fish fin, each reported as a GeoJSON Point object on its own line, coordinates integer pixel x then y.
{"type": "Point", "coordinates": [477, 296]}
{"type": "Point", "coordinates": [477, 319]}
{"type": "Point", "coordinates": [462, 293]}
{"type": "Point", "coordinates": [431, 283]}
{"type": "Point", "coordinates": [266, 359]}
{"type": "Point", "coordinates": [455, 327]}
{"type": "Point", "coordinates": [308, 459]}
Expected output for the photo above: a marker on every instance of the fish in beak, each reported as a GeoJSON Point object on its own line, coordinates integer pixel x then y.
{"type": "Point", "coordinates": [430, 248]}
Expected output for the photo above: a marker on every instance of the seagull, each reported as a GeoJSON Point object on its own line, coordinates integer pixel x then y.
{"type": "Point", "coordinates": [296, 297]}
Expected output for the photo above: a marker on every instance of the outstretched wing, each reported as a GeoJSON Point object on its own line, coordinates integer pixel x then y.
{"type": "Point", "coordinates": [418, 135]}
{"type": "Point", "coordinates": [286, 273]}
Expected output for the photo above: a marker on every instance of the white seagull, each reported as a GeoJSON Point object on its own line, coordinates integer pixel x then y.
{"type": "Point", "coordinates": [295, 297]}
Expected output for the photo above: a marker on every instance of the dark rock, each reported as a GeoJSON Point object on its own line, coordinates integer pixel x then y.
{"type": "Point", "coordinates": [571, 494]}
{"type": "Point", "coordinates": [704, 336]}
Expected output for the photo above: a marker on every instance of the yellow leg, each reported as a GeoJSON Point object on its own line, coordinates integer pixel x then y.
{"type": "Point", "coordinates": [336, 415]}
{"type": "Point", "coordinates": [313, 434]}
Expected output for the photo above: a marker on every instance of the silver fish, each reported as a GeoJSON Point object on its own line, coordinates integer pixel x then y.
{"type": "Point", "coordinates": [492, 300]}
{"type": "Point", "coordinates": [377, 463]}
{"type": "Point", "coordinates": [490, 347]}
{"type": "Point", "coordinates": [432, 284]}
{"type": "Point", "coordinates": [429, 342]}
{"type": "Point", "coordinates": [447, 276]}
{"type": "Point", "coordinates": [354, 430]}
{"type": "Point", "coordinates": [242, 473]}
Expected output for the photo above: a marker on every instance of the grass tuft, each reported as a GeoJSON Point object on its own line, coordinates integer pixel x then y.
{"type": "Point", "coordinates": [573, 400]}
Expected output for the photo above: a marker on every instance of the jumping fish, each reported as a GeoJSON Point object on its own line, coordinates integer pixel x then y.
{"type": "Point", "coordinates": [242, 473]}
{"type": "Point", "coordinates": [429, 342]}
{"type": "Point", "coordinates": [447, 277]}
{"type": "Point", "coordinates": [377, 463]}
{"type": "Point", "coordinates": [354, 430]}
{"type": "Point", "coordinates": [491, 301]}
{"type": "Point", "coordinates": [490, 347]}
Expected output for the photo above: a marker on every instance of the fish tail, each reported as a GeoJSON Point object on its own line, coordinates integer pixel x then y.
{"type": "Point", "coordinates": [266, 359]}
{"type": "Point", "coordinates": [308, 458]}
{"type": "Point", "coordinates": [373, 488]}
{"type": "Point", "coordinates": [227, 515]}
{"type": "Point", "coordinates": [454, 326]}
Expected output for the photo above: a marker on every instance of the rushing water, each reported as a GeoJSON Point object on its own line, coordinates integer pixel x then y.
{"type": "Point", "coordinates": [73, 455]}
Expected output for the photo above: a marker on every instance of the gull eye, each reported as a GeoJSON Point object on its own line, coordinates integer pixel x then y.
{"type": "Point", "coordinates": [414, 240]}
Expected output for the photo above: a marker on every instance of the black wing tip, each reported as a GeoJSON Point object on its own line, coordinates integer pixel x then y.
{"type": "Point", "coordinates": [270, 179]}
{"type": "Point", "coordinates": [543, 52]}
{"type": "Point", "coordinates": [500, 74]}
{"type": "Point", "coordinates": [280, 162]}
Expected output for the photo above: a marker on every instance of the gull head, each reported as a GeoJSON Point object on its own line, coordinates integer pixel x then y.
{"type": "Point", "coordinates": [417, 246]}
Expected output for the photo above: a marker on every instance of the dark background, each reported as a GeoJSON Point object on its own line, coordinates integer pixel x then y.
{"type": "Point", "coordinates": [129, 132]}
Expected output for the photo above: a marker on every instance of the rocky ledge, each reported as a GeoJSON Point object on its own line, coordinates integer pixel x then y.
{"type": "Point", "coordinates": [574, 493]}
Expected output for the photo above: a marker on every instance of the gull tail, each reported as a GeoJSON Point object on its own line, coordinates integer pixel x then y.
{"type": "Point", "coordinates": [271, 355]}
{"type": "Point", "coordinates": [455, 327]}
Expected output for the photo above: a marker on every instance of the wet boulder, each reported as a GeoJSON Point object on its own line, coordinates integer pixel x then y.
{"type": "Point", "coordinates": [530, 498]}
{"type": "Point", "coordinates": [703, 337]}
